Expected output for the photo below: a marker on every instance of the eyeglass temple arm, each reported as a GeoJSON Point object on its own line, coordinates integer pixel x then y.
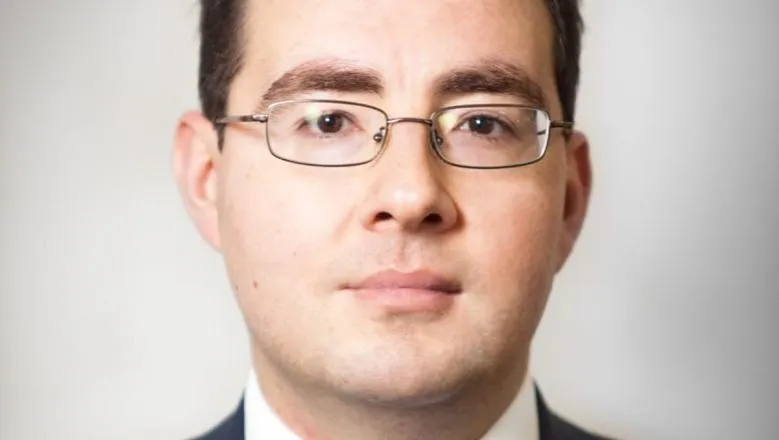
{"type": "Point", "coordinates": [567, 125]}
{"type": "Point", "coordinates": [242, 118]}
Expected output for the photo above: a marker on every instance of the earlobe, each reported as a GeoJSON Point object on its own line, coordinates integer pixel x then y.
{"type": "Point", "coordinates": [195, 165]}
{"type": "Point", "coordinates": [577, 193]}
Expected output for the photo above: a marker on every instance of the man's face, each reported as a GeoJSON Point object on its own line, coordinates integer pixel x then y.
{"type": "Point", "coordinates": [300, 241]}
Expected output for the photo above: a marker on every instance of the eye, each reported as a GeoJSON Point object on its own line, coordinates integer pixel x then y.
{"type": "Point", "coordinates": [482, 124]}
{"type": "Point", "coordinates": [326, 123]}
{"type": "Point", "coordinates": [330, 123]}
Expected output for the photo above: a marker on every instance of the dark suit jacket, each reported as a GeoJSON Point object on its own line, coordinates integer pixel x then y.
{"type": "Point", "coordinates": [552, 427]}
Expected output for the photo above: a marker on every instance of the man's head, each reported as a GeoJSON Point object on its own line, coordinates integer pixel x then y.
{"type": "Point", "coordinates": [321, 258]}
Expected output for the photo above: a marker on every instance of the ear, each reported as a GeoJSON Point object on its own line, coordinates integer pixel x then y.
{"type": "Point", "coordinates": [578, 186]}
{"type": "Point", "coordinates": [196, 159]}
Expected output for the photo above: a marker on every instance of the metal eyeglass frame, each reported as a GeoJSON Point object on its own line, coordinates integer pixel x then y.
{"type": "Point", "coordinates": [435, 140]}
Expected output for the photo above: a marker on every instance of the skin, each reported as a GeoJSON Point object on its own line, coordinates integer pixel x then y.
{"type": "Point", "coordinates": [292, 235]}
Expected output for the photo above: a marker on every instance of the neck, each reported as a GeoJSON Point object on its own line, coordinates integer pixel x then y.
{"type": "Point", "coordinates": [317, 412]}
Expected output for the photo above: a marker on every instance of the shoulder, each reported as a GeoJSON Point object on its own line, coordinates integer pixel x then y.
{"type": "Point", "coordinates": [231, 428]}
{"type": "Point", "coordinates": [554, 427]}
{"type": "Point", "coordinates": [551, 425]}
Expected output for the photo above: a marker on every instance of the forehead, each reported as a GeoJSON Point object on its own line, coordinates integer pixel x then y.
{"type": "Point", "coordinates": [409, 42]}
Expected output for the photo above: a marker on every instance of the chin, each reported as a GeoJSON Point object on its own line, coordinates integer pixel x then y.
{"type": "Point", "coordinates": [401, 377]}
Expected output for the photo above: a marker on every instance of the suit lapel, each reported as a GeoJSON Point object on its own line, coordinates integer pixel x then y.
{"type": "Point", "coordinates": [232, 428]}
{"type": "Point", "coordinates": [552, 427]}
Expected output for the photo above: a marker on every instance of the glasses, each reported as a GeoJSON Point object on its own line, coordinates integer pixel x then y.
{"type": "Point", "coordinates": [329, 133]}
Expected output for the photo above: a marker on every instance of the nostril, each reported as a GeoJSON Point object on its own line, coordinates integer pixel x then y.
{"type": "Point", "coordinates": [383, 216]}
{"type": "Point", "coordinates": [433, 218]}
{"type": "Point", "coordinates": [430, 219]}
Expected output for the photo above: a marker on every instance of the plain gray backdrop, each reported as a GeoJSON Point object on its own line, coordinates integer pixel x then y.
{"type": "Point", "coordinates": [116, 321]}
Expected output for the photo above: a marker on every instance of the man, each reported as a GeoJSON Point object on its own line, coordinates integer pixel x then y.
{"type": "Point", "coordinates": [393, 185]}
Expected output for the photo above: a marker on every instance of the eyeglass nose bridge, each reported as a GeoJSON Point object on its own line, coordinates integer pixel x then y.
{"type": "Point", "coordinates": [379, 137]}
{"type": "Point", "coordinates": [428, 122]}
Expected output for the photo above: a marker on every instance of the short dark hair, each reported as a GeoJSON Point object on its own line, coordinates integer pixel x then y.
{"type": "Point", "coordinates": [221, 52]}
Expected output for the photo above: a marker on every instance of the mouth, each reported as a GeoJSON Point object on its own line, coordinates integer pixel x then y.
{"type": "Point", "coordinates": [397, 292]}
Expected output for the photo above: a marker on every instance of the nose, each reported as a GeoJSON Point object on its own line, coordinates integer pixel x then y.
{"type": "Point", "coordinates": [407, 190]}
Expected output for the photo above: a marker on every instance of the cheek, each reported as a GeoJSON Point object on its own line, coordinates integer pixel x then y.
{"type": "Point", "coordinates": [513, 246]}
{"type": "Point", "coordinates": [514, 241]}
{"type": "Point", "coordinates": [276, 232]}
{"type": "Point", "coordinates": [274, 227]}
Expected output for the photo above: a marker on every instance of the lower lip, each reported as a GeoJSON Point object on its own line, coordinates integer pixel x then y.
{"type": "Point", "coordinates": [405, 300]}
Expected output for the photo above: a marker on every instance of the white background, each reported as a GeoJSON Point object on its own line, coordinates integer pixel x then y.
{"type": "Point", "coordinates": [116, 321]}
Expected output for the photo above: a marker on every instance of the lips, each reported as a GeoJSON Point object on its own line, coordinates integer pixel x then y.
{"type": "Point", "coordinates": [418, 280]}
{"type": "Point", "coordinates": [415, 292]}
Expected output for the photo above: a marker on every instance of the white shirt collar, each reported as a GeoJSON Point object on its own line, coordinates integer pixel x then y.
{"type": "Point", "coordinates": [519, 422]}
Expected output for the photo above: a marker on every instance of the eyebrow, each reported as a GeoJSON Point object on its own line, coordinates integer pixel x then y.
{"type": "Point", "coordinates": [492, 76]}
{"type": "Point", "coordinates": [323, 75]}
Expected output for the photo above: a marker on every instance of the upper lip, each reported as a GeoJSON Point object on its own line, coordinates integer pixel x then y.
{"type": "Point", "coordinates": [420, 279]}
